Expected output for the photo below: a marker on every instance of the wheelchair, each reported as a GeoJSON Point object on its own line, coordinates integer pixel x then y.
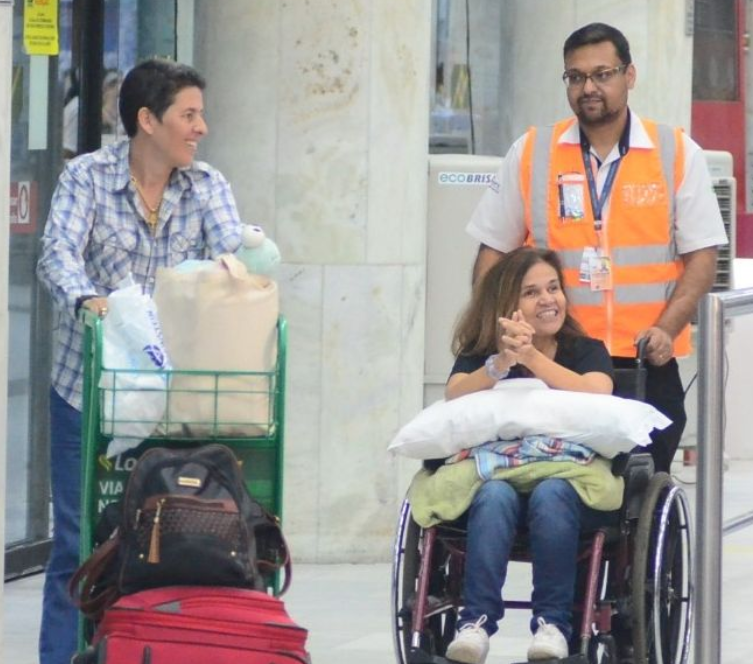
{"type": "Point", "coordinates": [637, 594]}
{"type": "Point", "coordinates": [634, 593]}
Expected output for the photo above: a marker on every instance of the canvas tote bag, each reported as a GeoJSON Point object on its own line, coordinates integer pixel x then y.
{"type": "Point", "coordinates": [218, 320]}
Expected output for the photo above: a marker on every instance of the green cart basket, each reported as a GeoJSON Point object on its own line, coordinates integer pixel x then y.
{"type": "Point", "coordinates": [259, 445]}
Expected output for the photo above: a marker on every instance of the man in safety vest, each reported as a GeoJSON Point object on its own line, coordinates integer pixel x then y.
{"type": "Point", "coordinates": [630, 207]}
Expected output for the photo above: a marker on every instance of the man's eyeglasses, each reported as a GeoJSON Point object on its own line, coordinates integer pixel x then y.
{"type": "Point", "coordinates": [577, 79]}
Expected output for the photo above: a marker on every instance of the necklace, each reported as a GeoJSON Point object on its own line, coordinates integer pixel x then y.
{"type": "Point", "coordinates": [152, 217]}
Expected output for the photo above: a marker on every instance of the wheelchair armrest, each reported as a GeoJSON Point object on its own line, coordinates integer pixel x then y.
{"type": "Point", "coordinates": [637, 469]}
{"type": "Point", "coordinates": [433, 464]}
{"type": "Point", "coordinates": [626, 463]}
{"type": "Point", "coordinates": [619, 464]}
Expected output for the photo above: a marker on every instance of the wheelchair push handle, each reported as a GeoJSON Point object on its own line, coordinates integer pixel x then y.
{"type": "Point", "coordinates": [630, 375]}
{"type": "Point", "coordinates": [640, 351]}
{"type": "Point", "coordinates": [640, 369]}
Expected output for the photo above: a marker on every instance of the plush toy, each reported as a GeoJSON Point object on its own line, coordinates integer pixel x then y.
{"type": "Point", "coordinates": [258, 253]}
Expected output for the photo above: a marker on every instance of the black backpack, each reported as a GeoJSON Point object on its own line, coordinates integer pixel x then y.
{"type": "Point", "coordinates": [186, 519]}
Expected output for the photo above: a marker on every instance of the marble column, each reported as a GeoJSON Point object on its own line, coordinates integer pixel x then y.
{"type": "Point", "coordinates": [318, 115]}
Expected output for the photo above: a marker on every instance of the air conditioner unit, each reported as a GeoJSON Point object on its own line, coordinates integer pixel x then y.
{"type": "Point", "coordinates": [456, 183]}
{"type": "Point", "coordinates": [719, 163]}
{"type": "Point", "coordinates": [725, 187]}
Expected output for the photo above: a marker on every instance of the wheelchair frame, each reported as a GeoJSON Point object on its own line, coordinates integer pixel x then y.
{"type": "Point", "coordinates": [639, 583]}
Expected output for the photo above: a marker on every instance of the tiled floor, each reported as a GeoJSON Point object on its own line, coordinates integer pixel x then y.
{"type": "Point", "coordinates": [347, 611]}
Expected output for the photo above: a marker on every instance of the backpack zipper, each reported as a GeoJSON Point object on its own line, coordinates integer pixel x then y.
{"type": "Point", "coordinates": [155, 538]}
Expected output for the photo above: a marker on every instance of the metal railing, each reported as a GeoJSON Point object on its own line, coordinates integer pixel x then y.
{"type": "Point", "coordinates": [715, 309]}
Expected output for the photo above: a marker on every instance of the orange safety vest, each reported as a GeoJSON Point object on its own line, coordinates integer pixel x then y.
{"type": "Point", "coordinates": [638, 234]}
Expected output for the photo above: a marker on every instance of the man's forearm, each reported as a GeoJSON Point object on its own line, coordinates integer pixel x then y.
{"type": "Point", "coordinates": [696, 280]}
{"type": "Point", "coordinates": [485, 260]}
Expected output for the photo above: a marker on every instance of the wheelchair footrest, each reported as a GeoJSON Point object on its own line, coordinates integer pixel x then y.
{"type": "Point", "coordinates": [421, 657]}
{"type": "Point", "coordinates": [572, 659]}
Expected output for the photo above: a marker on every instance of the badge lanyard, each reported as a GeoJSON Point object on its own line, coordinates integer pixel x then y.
{"type": "Point", "coordinates": [596, 268]}
{"type": "Point", "coordinates": [597, 202]}
{"type": "Point", "coordinates": [596, 264]}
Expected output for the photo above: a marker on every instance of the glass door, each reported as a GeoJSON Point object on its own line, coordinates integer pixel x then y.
{"type": "Point", "coordinates": [62, 105]}
{"type": "Point", "coordinates": [35, 162]}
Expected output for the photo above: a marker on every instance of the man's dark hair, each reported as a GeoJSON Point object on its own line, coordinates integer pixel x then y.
{"type": "Point", "coordinates": [596, 33]}
{"type": "Point", "coordinates": [154, 84]}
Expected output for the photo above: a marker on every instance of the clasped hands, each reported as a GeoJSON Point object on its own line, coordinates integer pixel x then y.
{"type": "Point", "coordinates": [515, 341]}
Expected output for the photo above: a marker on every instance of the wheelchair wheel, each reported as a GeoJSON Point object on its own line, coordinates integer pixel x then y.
{"type": "Point", "coordinates": [661, 578]}
{"type": "Point", "coordinates": [442, 611]}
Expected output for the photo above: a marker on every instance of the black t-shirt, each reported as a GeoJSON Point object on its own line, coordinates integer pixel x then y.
{"type": "Point", "coordinates": [579, 354]}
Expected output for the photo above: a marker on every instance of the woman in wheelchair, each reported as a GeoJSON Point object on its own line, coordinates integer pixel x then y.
{"type": "Point", "coordinates": [517, 325]}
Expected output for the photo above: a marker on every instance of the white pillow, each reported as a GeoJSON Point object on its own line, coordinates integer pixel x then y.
{"type": "Point", "coordinates": [525, 407]}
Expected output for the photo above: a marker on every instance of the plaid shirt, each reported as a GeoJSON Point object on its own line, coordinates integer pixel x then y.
{"type": "Point", "coordinates": [95, 237]}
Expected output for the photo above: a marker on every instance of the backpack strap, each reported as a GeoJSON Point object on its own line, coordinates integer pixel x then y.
{"type": "Point", "coordinates": [90, 589]}
{"type": "Point", "coordinates": [268, 566]}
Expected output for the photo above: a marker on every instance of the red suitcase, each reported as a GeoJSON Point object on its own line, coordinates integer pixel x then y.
{"type": "Point", "coordinates": [198, 625]}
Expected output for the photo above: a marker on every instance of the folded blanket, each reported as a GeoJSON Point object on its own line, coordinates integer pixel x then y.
{"type": "Point", "coordinates": [448, 492]}
{"type": "Point", "coordinates": [531, 449]}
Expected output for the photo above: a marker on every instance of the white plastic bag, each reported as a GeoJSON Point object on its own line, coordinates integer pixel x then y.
{"type": "Point", "coordinates": [133, 384]}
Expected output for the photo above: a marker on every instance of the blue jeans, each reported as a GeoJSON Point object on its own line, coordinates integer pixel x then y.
{"type": "Point", "coordinates": [554, 515]}
{"type": "Point", "coordinates": [58, 636]}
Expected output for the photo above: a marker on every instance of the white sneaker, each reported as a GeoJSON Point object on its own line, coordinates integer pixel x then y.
{"type": "Point", "coordinates": [548, 643]}
{"type": "Point", "coordinates": [471, 645]}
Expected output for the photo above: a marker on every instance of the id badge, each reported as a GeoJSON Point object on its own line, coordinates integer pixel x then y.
{"type": "Point", "coordinates": [601, 273]}
{"type": "Point", "coordinates": [571, 188]}
{"type": "Point", "coordinates": [584, 273]}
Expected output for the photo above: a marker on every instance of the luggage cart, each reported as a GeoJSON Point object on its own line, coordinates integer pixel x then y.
{"type": "Point", "coordinates": [258, 444]}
